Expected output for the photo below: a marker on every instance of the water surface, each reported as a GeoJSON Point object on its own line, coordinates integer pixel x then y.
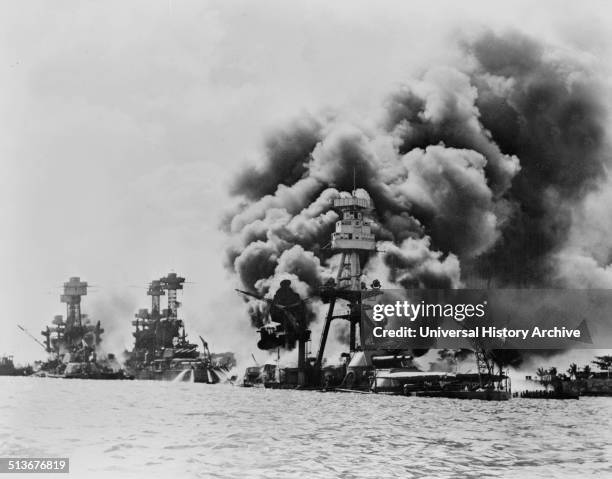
{"type": "Point", "coordinates": [156, 429]}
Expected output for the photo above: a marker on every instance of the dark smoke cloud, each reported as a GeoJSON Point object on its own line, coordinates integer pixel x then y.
{"type": "Point", "coordinates": [551, 114]}
{"type": "Point", "coordinates": [413, 265]}
{"type": "Point", "coordinates": [286, 156]}
{"type": "Point", "coordinates": [441, 108]}
{"type": "Point", "coordinates": [474, 173]}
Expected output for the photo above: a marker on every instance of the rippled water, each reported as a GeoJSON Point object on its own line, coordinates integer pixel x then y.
{"type": "Point", "coordinates": [156, 429]}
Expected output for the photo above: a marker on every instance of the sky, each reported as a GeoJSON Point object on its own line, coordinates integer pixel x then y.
{"type": "Point", "coordinates": [123, 122]}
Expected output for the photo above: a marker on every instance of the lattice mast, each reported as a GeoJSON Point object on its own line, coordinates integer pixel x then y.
{"type": "Point", "coordinates": [354, 240]}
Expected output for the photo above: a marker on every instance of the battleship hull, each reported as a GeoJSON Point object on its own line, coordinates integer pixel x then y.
{"type": "Point", "coordinates": [180, 371]}
{"type": "Point", "coordinates": [13, 371]}
{"type": "Point", "coordinates": [92, 371]}
{"type": "Point", "coordinates": [194, 375]}
{"type": "Point", "coordinates": [106, 376]}
{"type": "Point", "coordinates": [485, 395]}
{"type": "Point", "coordinates": [404, 382]}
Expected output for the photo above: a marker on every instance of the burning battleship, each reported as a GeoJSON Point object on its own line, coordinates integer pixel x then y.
{"type": "Point", "coordinates": [161, 349]}
{"type": "Point", "coordinates": [471, 188]}
{"type": "Point", "coordinates": [72, 343]}
{"type": "Point", "coordinates": [391, 372]}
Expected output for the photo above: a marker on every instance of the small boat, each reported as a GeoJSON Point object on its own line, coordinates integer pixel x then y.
{"type": "Point", "coordinates": [8, 368]}
{"type": "Point", "coordinates": [399, 381]}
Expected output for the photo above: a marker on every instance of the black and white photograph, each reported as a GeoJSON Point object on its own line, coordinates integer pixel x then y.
{"type": "Point", "coordinates": [311, 239]}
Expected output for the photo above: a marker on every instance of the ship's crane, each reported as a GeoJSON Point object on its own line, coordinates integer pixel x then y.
{"type": "Point", "coordinates": [275, 333]}
{"type": "Point", "coordinates": [32, 337]}
{"type": "Point", "coordinates": [285, 325]}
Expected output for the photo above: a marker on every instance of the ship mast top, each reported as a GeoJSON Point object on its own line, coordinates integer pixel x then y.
{"type": "Point", "coordinates": [172, 283]}
{"type": "Point", "coordinates": [354, 241]}
{"type": "Point", "coordinates": [353, 235]}
{"type": "Point", "coordinates": [73, 290]}
{"type": "Point", "coordinates": [155, 290]}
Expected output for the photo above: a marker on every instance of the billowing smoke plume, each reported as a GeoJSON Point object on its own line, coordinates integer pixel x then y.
{"type": "Point", "coordinates": [475, 173]}
{"type": "Point", "coordinates": [551, 114]}
{"type": "Point", "coordinates": [114, 311]}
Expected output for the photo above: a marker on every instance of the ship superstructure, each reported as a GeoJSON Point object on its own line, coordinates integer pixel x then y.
{"type": "Point", "coordinates": [74, 335]}
{"type": "Point", "coordinates": [72, 342]}
{"type": "Point", "coordinates": [161, 348]}
{"type": "Point", "coordinates": [353, 241]}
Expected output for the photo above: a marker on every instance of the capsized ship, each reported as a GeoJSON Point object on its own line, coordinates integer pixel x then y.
{"type": "Point", "coordinates": [161, 348]}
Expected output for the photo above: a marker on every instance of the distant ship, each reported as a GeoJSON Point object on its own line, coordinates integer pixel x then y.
{"type": "Point", "coordinates": [7, 368]}
{"type": "Point", "coordinates": [161, 348]}
{"type": "Point", "coordinates": [72, 343]}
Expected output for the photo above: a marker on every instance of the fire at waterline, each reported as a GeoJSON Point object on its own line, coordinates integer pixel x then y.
{"type": "Point", "coordinates": [482, 175]}
{"type": "Point", "coordinates": [385, 371]}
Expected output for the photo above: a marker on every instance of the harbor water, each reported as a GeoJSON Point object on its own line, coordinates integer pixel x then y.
{"type": "Point", "coordinates": [121, 429]}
